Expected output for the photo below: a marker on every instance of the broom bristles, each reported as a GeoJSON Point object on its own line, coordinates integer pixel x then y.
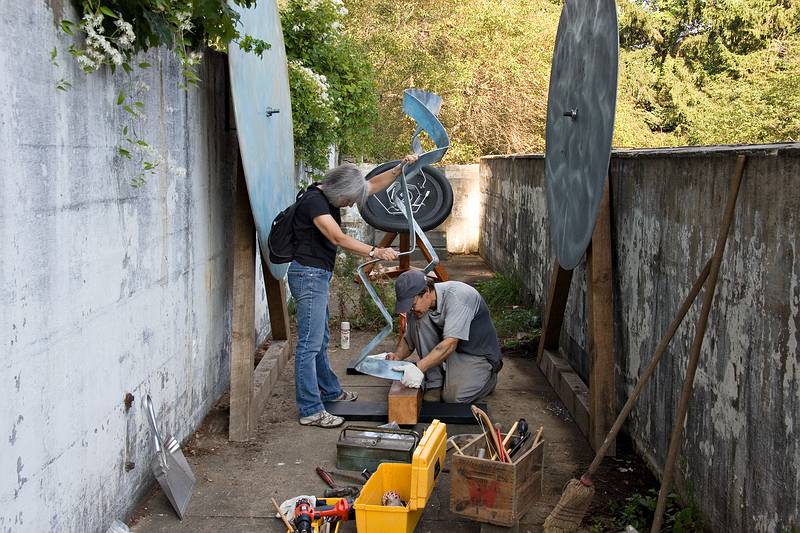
{"type": "Point", "coordinates": [568, 513]}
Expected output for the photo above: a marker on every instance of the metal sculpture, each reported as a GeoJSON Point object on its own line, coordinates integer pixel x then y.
{"type": "Point", "coordinates": [580, 123]}
{"type": "Point", "coordinates": [261, 104]}
{"type": "Point", "coordinates": [423, 107]}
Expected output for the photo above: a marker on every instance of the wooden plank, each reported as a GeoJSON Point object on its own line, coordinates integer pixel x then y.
{"type": "Point", "coordinates": [404, 404]}
{"type": "Point", "coordinates": [441, 272]}
{"type": "Point", "coordinates": [243, 332]}
{"type": "Point", "coordinates": [557, 295]}
{"type": "Point", "coordinates": [276, 302]}
{"type": "Point", "coordinates": [600, 327]}
{"type": "Point", "coordinates": [405, 245]}
{"type": "Point", "coordinates": [266, 375]}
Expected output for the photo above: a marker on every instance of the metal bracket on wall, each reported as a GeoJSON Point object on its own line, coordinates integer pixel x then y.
{"type": "Point", "coordinates": [422, 106]}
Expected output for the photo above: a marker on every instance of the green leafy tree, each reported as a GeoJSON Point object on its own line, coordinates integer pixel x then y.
{"type": "Point", "coordinates": [332, 83]}
{"type": "Point", "coordinates": [716, 72]}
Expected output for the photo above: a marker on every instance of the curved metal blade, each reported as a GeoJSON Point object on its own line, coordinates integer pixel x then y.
{"type": "Point", "coordinates": [380, 368]}
{"type": "Point", "coordinates": [423, 107]}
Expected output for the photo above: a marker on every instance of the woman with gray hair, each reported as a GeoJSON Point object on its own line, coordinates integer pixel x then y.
{"type": "Point", "coordinates": [318, 233]}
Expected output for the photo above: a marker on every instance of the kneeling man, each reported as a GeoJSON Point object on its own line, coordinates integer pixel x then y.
{"type": "Point", "coordinates": [450, 328]}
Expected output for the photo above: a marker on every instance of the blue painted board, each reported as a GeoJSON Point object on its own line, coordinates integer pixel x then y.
{"type": "Point", "coordinates": [265, 142]}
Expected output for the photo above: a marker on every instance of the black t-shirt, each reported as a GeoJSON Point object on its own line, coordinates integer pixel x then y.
{"type": "Point", "coordinates": [313, 248]}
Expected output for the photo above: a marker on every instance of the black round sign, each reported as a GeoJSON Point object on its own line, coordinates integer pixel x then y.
{"type": "Point", "coordinates": [431, 201]}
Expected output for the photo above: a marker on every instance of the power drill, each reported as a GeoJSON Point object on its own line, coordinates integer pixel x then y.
{"type": "Point", "coordinates": [303, 516]}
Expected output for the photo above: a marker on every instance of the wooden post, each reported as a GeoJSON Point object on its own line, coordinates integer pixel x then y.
{"type": "Point", "coordinates": [243, 320]}
{"type": "Point", "coordinates": [405, 245]}
{"type": "Point", "coordinates": [276, 303]}
{"type": "Point", "coordinates": [600, 328]}
{"type": "Point", "coordinates": [557, 295]}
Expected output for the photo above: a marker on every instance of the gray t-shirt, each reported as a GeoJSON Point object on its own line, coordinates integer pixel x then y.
{"type": "Point", "coordinates": [462, 314]}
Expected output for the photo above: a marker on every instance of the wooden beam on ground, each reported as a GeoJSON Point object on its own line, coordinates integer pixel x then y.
{"type": "Point", "coordinates": [572, 391]}
{"type": "Point", "coordinates": [600, 327]}
{"type": "Point", "coordinates": [243, 320]}
{"type": "Point", "coordinates": [266, 375]}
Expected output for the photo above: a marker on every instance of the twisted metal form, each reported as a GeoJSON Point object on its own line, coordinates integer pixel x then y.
{"type": "Point", "coordinates": [423, 107]}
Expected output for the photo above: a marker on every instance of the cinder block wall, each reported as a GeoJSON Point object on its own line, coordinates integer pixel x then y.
{"type": "Point", "coordinates": [741, 451]}
{"type": "Point", "coordinates": [105, 289]}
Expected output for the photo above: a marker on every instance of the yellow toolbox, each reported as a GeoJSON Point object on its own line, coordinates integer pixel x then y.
{"type": "Point", "coordinates": [413, 482]}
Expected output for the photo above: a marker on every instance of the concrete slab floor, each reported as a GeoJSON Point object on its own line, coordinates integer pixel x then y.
{"type": "Point", "coordinates": [235, 481]}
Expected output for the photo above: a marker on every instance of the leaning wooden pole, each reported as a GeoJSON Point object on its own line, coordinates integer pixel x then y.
{"type": "Point", "coordinates": [697, 343]}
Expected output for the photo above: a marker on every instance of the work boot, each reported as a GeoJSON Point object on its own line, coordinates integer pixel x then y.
{"type": "Point", "coordinates": [322, 419]}
{"type": "Point", "coordinates": [432, 395]}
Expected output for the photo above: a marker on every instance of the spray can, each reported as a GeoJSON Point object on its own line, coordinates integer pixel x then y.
{"type": "Point", "coordinates": [345, 339]}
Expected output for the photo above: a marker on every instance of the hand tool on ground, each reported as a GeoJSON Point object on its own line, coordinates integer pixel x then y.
{"type": "Point", "coordinates": [170, 467]}
{"type": "Point", "coordinates": [342, 492]}
{"type": "Point", "coordinates": [326, 477]}
{"type": "Point", "coordinates": [346, 477]}
{"type": "Point", "coordinates": [335, 490]}
{"type": "Point", "coordinates": [568, 513]}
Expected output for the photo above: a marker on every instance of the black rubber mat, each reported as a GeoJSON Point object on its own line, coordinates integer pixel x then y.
{"type": "Point", "coordinates": [449, 413]}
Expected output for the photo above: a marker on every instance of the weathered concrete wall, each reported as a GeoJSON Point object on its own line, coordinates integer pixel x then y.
{"type": "Point", "coordinates": [740, 455]}
{"type": "Point", "coordinates": [462, 227]}
{"type": "Point", "coordinates": [105, 289]}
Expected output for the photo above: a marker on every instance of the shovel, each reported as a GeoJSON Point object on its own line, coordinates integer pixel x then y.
{"type": "Point", "coordinates": [170, 466]}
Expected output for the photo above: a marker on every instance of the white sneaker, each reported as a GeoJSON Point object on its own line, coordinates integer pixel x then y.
{"type": "Point", "coordinates": [322, 419]}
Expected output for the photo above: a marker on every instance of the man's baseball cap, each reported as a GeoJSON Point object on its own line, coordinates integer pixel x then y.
{"type": "Point", "coordinates": [408, 285]}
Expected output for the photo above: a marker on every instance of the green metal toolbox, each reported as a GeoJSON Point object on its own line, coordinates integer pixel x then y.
{"type": "Point", "coordinates": [361, 447]}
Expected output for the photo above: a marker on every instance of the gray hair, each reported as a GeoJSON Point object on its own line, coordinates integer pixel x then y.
{"type": "Point", "coordinates": [344, 185]}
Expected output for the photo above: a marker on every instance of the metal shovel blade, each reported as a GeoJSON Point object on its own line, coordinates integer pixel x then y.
{"type": "Point", "coordinates": [176, 483]}
{"type": "Point", "coordinates": [380, 368]}
{"type": "Point", "coordinates": [170, 467]}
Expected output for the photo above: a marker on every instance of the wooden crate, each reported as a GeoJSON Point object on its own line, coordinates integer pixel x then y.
{"type": "Point", "coordinates": [495, 492]}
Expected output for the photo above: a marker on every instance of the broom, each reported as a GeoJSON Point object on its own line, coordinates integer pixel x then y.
{"type": "Point", "coordinates": [568, 513]}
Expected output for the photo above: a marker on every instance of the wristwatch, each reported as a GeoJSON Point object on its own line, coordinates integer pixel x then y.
{"type": "Point", "coordinates": [372, 252]}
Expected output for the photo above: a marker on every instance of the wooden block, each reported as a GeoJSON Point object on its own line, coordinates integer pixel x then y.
{"type": "Point", "coordinates": [266, 375]}
{"type": "Point", "coordinates": [404, 404]}
{"type": "Point", "coordinates": [494, 492]}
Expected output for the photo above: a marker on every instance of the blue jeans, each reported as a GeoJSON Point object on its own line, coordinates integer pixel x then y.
{"type": "Point", "coordinates": [314, 380]}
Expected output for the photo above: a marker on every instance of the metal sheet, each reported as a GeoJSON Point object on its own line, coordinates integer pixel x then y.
{"type": "Point", "coordinates": [265, 142]}
{"type": "Point", "coordinates": [580, 122]}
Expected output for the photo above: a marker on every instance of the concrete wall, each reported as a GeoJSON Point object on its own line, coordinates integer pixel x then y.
{"type": "Point", "coordinates": [105, 289]}
{"type": "Point", "coordinates": [741, 451]}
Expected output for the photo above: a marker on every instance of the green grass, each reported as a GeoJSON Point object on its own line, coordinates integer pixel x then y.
{"type": "Point", "coordinates": [517, 323]}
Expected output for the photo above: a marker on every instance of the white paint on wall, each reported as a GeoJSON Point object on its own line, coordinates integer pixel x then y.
{"type": "Point", "coordinates": [105, 289]}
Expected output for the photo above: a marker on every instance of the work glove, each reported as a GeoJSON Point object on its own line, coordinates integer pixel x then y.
{"type": "Point", "coordinates": [412, 376]}
{"type": "Point", "coordinates": [379, 356]}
